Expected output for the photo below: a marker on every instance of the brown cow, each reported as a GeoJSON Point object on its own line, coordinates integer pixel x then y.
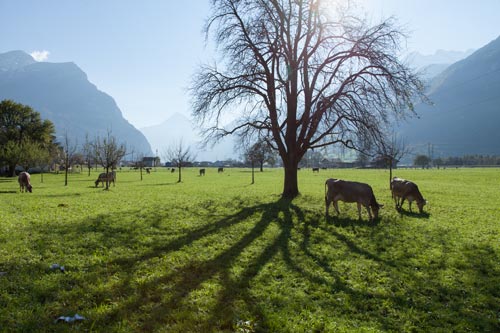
{"type": "Point", "coordinates": [103, 178]}
{"type": "Point", "coordinates": [24, 182]}
{"type": "Point", "coordinates": [202, 172]}
{"type": "Point", "coordinates": [347, 191]}
{"type": "Point", "coordinates": [405, 189]}
{"type": "Point", "coordinates": [220, 169]}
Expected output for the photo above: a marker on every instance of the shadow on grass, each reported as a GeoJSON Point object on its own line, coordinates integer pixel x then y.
{"type": "Point", "coordinates": [412, 288]}
{"type": "Point", "coordinates": [423, 215]}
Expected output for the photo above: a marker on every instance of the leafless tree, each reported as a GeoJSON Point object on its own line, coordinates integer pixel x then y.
{"type": "Point", "coordinates": [301, 76]}
{"type": "Point", "coordinates": [178, 155]}
{"type": "Point", "coordinates": [69, 150]}
{"type": "Point", "coordinates": [108, 152]}
{"type": "Point", "coordinates": [391, 150]}
{"type": "Point", "coordinates": [88, 153]}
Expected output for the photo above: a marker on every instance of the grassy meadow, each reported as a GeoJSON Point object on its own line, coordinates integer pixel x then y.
{"type": "Point", "coordinates": [217, 254]}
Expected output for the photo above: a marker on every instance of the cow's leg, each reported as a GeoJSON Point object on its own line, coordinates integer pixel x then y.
{"type": "Point", "coordinates": [359, 210]}
{"type": "Point", "coordinates": [409, 203]}
{"type": "Point", "coordinates": [328, 200]}
{"type": "Point", "coordinates": [336, 205]}
{"type": "Point", "coordinates": [401, 203]}
{"type": "Point", "coordinates": [369, 212]}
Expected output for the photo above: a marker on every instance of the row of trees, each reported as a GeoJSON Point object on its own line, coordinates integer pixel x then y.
{"type": "Point", "coordinates": [467, 160]}
{"type": "Point", "coordinates": [28, 141]}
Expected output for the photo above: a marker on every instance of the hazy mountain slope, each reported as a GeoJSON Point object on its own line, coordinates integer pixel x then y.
{"type": "Point", "coordinates": [62, 93]}
{"type": "Point", "coordinates": [466, 112]}
{"type": "Point", "coordinates": [430, 65]}
{"type": "Point", "coordinates": [179, 127]}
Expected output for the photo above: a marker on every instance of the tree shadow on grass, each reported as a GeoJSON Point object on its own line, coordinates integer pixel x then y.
{"type": "Point", "coordinates": [166, 300]}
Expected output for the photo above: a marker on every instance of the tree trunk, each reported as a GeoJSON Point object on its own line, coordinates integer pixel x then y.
{"type": "Point", "coordinates": [107, 179]}
{"type": "Point", "coordinates": [390, 176]}
{"type": "Point", "coordinates": [261, 166]}
{"type": "Point", "coordinates": [291, 186]}
{"type": "Point", "coordinates": [12, 170]}
{"type": "Point", "coordinates": [179, 167]}
{"type": "Point", "coordinates": [66, 172]}
{"type": "Point", "coordinates": [253, 178]}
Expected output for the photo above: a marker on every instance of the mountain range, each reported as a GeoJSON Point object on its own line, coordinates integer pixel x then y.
{"type": "Point", "coordinates": [62, 93]}
{"type": "Point", "coordinates": [465, 112]}
{"type": "Point", "coordinates": [463, 119]}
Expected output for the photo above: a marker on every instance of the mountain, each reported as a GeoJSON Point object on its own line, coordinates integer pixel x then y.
{"type": "Point", "coordinates": [420, 61]}
{"type": "Point", "coordinates": [430, 65]}
{"type": "Point", "coordinates": [178, 127]}
{"type": "Point", "coordinates": [62, 93]}
{"type": "Point", "coordinates": [466, 111]}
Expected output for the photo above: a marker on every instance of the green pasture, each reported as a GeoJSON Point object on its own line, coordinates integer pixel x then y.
{"type": "Point", "coordinates": [218, 254]}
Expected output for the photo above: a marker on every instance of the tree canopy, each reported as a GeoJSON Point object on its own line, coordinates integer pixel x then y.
{"type": "Point", "coordinates": [24, 136]}
{"type": "Point", "coordinates": [302, 77]}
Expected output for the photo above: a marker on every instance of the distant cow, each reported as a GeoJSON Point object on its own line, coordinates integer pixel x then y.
{"type": "Point", "coordinates": [341, 190]}
{"type": "Point", "coordinates": [405, 189]}
{"type": "Point", "coordinates": [202, 172]}
{"type": "Point", "coordinates": [24, 182]}
{"type": "Point", "coordinates": [106, 177]}
{"type": "Point", "coordinates": [148, 170]}
{"type": "Point", "coordinates": [172, 170]}
{"type": "Point", "coordinates": [219, 170]}
{"type": "Point", "coordinates": [315, 169]}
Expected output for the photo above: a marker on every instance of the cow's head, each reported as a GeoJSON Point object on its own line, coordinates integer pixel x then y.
{"type": "Point", "coordinates": [420, 205]}
{"type": "Point", "coordinates": [375, 209]}
{"type": "Point", "coordinates": [29, 187]}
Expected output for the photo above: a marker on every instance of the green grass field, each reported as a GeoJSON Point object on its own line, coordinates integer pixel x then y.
{"type": "Point", "coordinates": [216, 254]}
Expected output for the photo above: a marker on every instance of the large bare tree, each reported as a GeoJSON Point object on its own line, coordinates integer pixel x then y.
{"type": "Point", "coordinates": [302, 76]}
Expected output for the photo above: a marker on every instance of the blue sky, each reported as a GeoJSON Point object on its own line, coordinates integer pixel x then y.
{"type": "Point", "coordinates": [143, 53]}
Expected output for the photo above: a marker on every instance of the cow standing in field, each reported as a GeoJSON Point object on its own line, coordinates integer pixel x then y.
{"type": "Point", "coordinates": [24, 182]}
{"type": "Point", "coordinates": [347, 191]}
{"type": "Point", "coordinates": [219, 170]}
{"type": "Point", "coordinates": [202, 172]}
{"type": "Point", "coordinates": [106, 177]}
{"type": "Point", "coordinates": [315, 169]}
{"type": "Point", "coordinates": [403, 189]}
{"type": "Point", "coordinates": [172, 170]}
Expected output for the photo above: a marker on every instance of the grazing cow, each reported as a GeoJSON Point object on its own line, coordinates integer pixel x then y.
{"type": "Point", "coordinates": [148, 170]}
{"type": "Point", "coordinates": [202, 172]}
{"type": "Point", "coordinates": [24, 182]}
{"type": "Point", "coordinates": [103, 178]}
{"type": "Point", "coordinates": [342, 190]}
{"type": "Point", "coordinates": [219, 170]}
{"type": "Point", "coordinates": [172, 170]}
{"type": "Point", "coordinates": [315, 169]}
{"type": "Point", "coordinates": [405, 189]}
